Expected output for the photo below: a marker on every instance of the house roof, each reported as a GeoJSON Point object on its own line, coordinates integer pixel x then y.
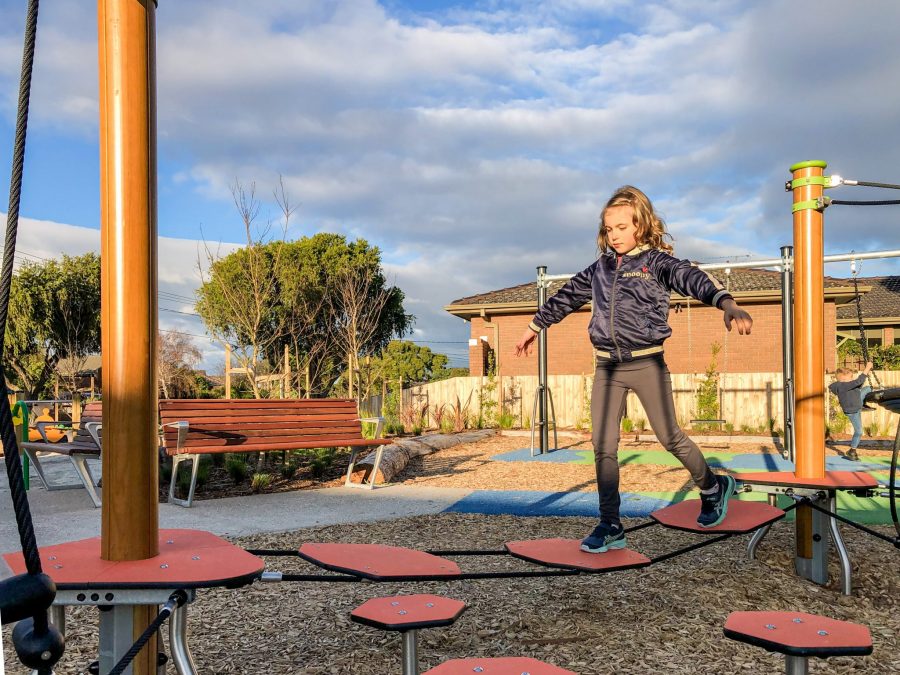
{"type": "Point", "coordinates": [881, 302]}
{"type": "Point", "coordinates": [745, 282]}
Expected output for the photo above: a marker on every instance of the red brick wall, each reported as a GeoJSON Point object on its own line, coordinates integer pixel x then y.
{"type": "Point", "coordinates": [569, 349]}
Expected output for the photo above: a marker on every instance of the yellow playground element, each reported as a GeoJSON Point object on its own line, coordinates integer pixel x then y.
{"type": "Point", "coordinates": [53, 434]}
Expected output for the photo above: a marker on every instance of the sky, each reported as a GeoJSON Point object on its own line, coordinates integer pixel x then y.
{"type": "Point", "coordinates": [470, 141]}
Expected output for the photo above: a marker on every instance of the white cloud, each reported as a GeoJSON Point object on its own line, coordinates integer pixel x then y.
{"type": "Point", "coordinates": [179, 262]}
{"type": "Point", "coordinates": [475, 143]}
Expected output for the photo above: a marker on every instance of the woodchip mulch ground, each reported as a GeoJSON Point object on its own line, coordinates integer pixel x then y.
{"type": "Point", "coordinates": [663, 619]}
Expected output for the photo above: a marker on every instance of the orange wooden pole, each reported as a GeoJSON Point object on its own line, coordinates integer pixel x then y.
{"type": "Point", "coordinates": [130, 521]}
{"type": "Point", "coordinates": [809, 317]}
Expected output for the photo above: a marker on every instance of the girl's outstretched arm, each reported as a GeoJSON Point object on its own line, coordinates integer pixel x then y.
{"type": "Point", "coordinates": [732, 313]}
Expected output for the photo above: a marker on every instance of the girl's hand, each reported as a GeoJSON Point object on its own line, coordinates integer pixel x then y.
{"type": "Point", "coordinates": [523, 346]}
{"type": "Point", "coordinates": [741, 319]}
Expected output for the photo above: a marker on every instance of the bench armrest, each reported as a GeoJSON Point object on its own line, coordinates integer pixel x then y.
{"type": "Point", "coordinates": [94, 429]}
{"type": "Point", "coordinates": [379, 424]}
{"type": "Point", "coordinates": [62, 426]}
{"type": "Point", "coordinates": [183, 426]}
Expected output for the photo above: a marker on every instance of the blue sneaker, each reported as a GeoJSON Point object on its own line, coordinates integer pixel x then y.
{"type": "Point", "coordinates": [714, 507]}
{"type": "Point", "coordinates": [605, 537]}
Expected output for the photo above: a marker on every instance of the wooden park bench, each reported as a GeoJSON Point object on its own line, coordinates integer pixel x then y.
{"type": "Point", "coordinates": [85, 444]}
{"type": "Point", "coordinates": [194, 427]}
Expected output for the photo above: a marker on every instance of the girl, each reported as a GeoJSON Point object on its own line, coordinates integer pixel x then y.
{"type": "Point", "coordinates": [630, 285]}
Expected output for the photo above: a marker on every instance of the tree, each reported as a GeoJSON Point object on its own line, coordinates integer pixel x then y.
{"type": "Point", "coordinates": [54, 314]}
{"type": "Point", "coordinates": [236, 301]}
{"type": "Point", "coordinates": [300, 294]}
{"type": "Point", "coordinates": [177, 358]}
{"type": "Point", "coordinates": [406, 360]}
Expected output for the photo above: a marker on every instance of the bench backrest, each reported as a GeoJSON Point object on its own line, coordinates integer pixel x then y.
{"type": "Point", "coordinates": [245, 425]}
{"type": "Point", "coordinates": [92, 412]}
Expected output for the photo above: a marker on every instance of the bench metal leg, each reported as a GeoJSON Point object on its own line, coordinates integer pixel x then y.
{"type": "Point", "coordinates": [36, 465]}
{"type": "Point", "coordinates": [84, 473]}
{"type": "Point", "coordinates": [846, 567]}
{"type": "Point", "coordinates": [373, 474]}
{"type": "Point", "coordinates": [176, 462]}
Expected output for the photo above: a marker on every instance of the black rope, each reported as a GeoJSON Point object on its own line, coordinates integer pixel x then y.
{"type": "Point", "coordinates": [318, 577]}
{"type": "Point", "coordinates": [889, 186]}
{"type": "Point", "coordinates": [692, 547]}
{"type": "Point", "coordinates": [7, 429]}
{"type": "Point", "coordinates": [273, 551]}
{"type": "Point", "coordinates": [491, 551]}
{"type": "Point", "coordinates": [892, 482]}
{"type": "Point", "coordinates": [891, 540]}
{"type": "Point", "coordinates": [874, 202]}
{"type": "Point", "coordinates": [863, 339]}
{"type": "Point", "coordinates": [177, 599]}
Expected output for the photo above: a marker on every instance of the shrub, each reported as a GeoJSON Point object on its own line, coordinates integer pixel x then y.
{"type": "Point", "coordinates": [459, 414]}
{"type": "Point", "coordinates": [729, 427]}
{"type": "Point", "coordinates": [627, 425]}
{"type": "Point", "coordinates": [288, 470]}
{"type": "Point", "coordinates": [260, 482]}
{"type": "Point", "coordinates": [446, 425]}
{"type": "Point", "coordinates": [708, 390]}
{"type": "Point", "coordinates": [438, 413]}
{"type": "Point", "coordinates": [322, 459]}
{"type": "Point", "coordinates": [640, 424]}
{"type": "Point", "coordinates": [237, 469]}
{"type": "Point", "coordinates": [506, 420]}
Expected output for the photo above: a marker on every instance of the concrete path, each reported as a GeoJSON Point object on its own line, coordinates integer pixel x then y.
{"type": "Point", "coordinates": [68, 515]}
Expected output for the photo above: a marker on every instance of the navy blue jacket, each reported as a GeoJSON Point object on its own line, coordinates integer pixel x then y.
{"type": "Point", "coordinates": [631, 299]}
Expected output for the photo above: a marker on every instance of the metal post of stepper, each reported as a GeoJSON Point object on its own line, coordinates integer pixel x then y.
{"type": "Point", "coordinates": [542, 365]}
{"type": "Point", "coordinates": [796, 665]}
{"type": "Point", "coordinates": [846, 567]}
{"type": "Point", "coordinates": [815, 568]}
{"type": "Point", "coordinates": [181, 654]}
{"type": "Point", "coordinates": [410, 652]}
{"type": "Point", "coordinates": [761, 533]}
{"type": "Point", "coordinates": [787, 342]}
{"type": "Point", "coordinates": [116, 635]}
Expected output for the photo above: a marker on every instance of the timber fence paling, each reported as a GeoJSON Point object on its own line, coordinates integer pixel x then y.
{"type": "Point", "coordinates": [747, 400]}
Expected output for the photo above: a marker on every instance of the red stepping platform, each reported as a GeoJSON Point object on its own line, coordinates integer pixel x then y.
{"type": "Point", "coordinates": [834, 480]}
{"type": "Point", "coordinates": [378, 562]}
{"type": "Point", "coordinates": [408, 612]}
{"type": "Point", "coordinates": [503, 666]}
{"type": "Point", "coordinates": [187, 559]}
{"type": "Point", "coordinates": [799, 634]}
{"type": "Point", "coordinates": [567, 553]}
{"type": "Point", "coordinates": [742, 517]}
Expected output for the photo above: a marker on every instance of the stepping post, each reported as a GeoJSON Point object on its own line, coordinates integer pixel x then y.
{"type": "Point", "coordinates": [407, 614]}
{"type": "Point", "coordinates": [799, 636]}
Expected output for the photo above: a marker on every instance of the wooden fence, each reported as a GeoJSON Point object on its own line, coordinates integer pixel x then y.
{"type": "Point", "coordinates": [747, 401]}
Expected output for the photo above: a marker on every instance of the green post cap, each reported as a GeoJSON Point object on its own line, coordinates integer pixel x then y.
{"type": "Point", "coordinates": [805, 165]}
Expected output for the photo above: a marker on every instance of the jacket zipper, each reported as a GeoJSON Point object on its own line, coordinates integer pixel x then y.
{"type": "Point", "coordinates": [612, 310]}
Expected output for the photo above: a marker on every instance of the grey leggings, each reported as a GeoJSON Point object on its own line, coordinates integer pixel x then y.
{"type": "Point", "coordinates": [649, 378]}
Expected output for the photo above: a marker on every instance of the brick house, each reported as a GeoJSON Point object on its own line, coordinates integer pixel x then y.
{"type": "Point", "coordinates": [499, 317]}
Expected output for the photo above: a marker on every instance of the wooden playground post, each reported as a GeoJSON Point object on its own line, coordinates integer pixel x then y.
{"type": "Point", "coordinates": [809, 353]}
{"type": "Point", "coordinates": [130, 521]}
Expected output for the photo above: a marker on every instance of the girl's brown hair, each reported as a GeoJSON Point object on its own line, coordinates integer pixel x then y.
{"type": "Point", "coordinates": [651, 230]}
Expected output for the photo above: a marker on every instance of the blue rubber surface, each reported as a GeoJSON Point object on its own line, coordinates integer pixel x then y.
{"type": "Point", "coordinates": [524, 455]}
{"type": "Point", "coordinates": [768, 462]}
{"type": "Point", "coordinates": [527, 503]}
